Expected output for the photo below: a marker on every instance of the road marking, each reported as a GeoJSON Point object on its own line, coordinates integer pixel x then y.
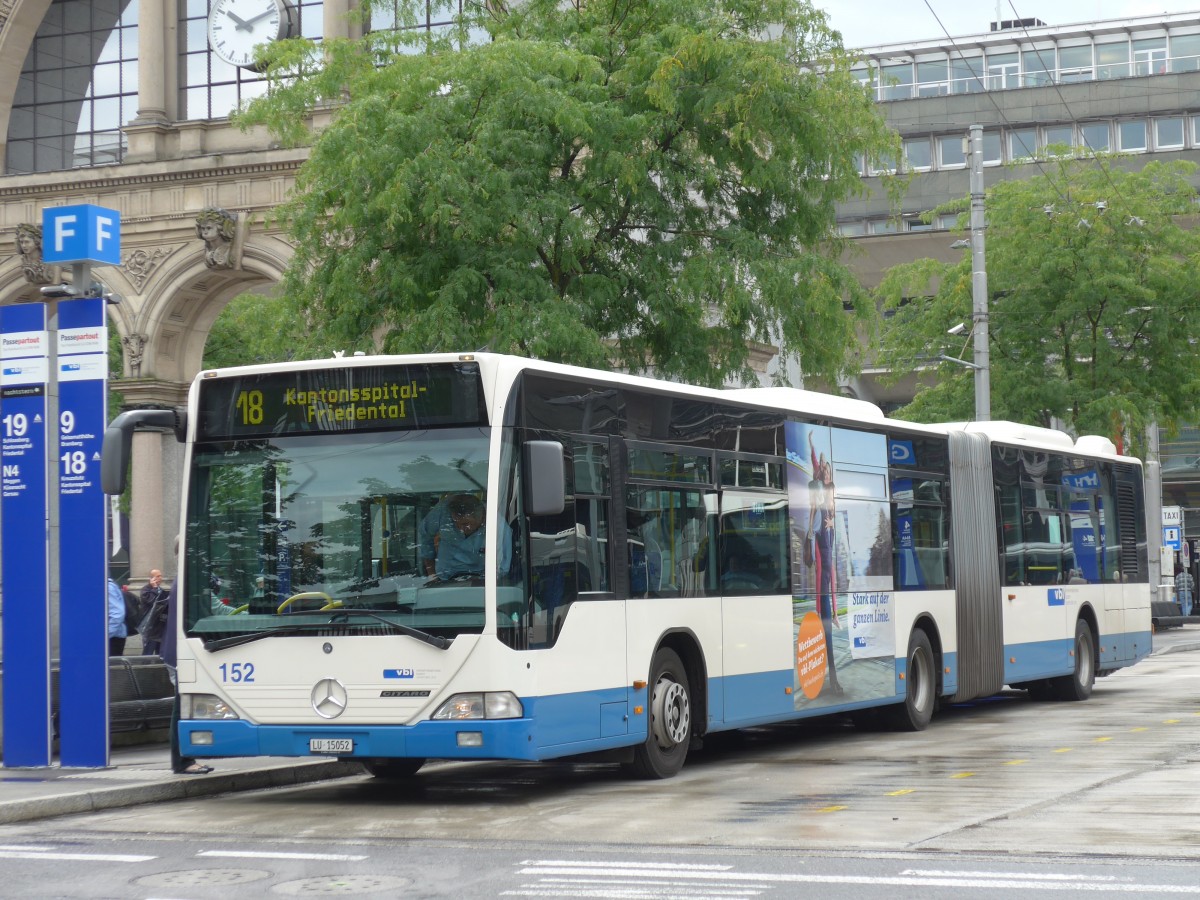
{"type": "Point", "coordinates": [901, 792]}
{"type": "Point", "coordinates": [830, 808]}
{"type": "Point", "coordinates": [666, 876]}
{"type": "Point", "coordinates": [1101, 740]}
{"type": "Point", "coordinates": [258, 854]}
{"type": "Point", "coordinates": [23, 847]}
{"type": "Point", "coordinates": [74, 857]}
{"type": "Point", "coordinates": [1063, 750]}
{"type": "Point", "coordinates": [964, 775]}
{"type": "Point", "coordinates": [1016, 762]}
{"type": "Point", "coordinates": [1170, 721]}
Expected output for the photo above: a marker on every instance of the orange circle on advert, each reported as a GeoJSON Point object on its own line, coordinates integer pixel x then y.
{"type": "Point", "coordinates": [810, 655]}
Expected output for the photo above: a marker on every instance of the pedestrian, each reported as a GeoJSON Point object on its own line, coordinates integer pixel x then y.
{"type": "Point", "coordinates": [153, 609]}
{"type": "Point", "coordinates": [1184, 585]}
{"type": "Point", "coordinates": [117, 632]}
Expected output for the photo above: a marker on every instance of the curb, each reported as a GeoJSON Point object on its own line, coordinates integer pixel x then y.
{"type": "Point", "coordinates": [180, 787]}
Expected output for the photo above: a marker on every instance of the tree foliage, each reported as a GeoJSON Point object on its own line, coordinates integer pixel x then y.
{"type": "Point", "coordinates": [1093, 313]}
{"type": "Point", "coordinates": [646, 184]}
{"type": "Point", "coordinates": [255, 328]}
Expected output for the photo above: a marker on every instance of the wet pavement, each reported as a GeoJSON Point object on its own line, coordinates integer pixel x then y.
{"type": "Point", "coordinates": [142, 774]}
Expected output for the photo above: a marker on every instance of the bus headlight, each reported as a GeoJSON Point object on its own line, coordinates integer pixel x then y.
{"type": "Point", "coordinates": [204, 706]}
{"type": "Point", "coordinates": [480, 705]}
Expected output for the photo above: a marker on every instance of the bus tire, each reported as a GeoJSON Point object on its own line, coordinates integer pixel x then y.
{"type": "Point", "coordinates": [920, 687]}
{"type": "Point", "coordinates": [393, 769]}
{"type": "Point", "coordinates": [669, 712]}
{"type": "Point", "coordinates": [1078, 685]}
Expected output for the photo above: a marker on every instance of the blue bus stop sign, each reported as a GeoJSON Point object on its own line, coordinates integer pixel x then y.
{"type": "Point", "coordinates": [83, 233]}
{"type": "Point", "coordinates": [83, 620]}
{"type": "Point", "coordinates": [24, 536]}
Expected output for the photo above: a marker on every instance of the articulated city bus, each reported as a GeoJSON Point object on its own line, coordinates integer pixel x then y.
{"type": "Point", "coordinates": [393, 559]}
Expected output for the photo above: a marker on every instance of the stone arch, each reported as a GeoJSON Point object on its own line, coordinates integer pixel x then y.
{"type": "Point", "coordinates": [178, 313]}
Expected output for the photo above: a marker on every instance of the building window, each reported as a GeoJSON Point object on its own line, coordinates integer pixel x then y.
{"type": "Point", "coordinates": [918, 154]}
{"type": "Point", "coordinates": [1003, 71]}
{"type": "Point", "coordinates": [992, 154]}
{"type": "Point", "coordinates": [1185, 53]}
{"type": "Point", "coordinates": [1095, 136]}
{"type": "Point", "coordinates": [1132, 136]}
{"type": "Point", "coordinates": [896, 82]}
{"type": "Point", "coordinates": [77, 88]}
{"type": "Point", "coordinates": [1112, 60]}
{"type": "Point", "coordinates": [1075, 63]}
{"type": "Point", "coordinates": [966, 75]}
{"type": "Point", "coordinates": [1038, 66]}
{"type": "Point", "coordinates": [1168, 133]}
{"type": "Point", "coordinates": [884, 226]}
{"type": "Point", "coordinates": [1150, 56]}
{"type": "Point", "coordinates": [1022, 144]}
{"type": "Point", "coordinates": [932, 78]}
{"type": "Point", "coordinates": [851, 229]}
{"type": "Point", "coordinates": [951, 152]}
{"type": "Point", "coordinates": [210, 88]}
{"type": "Point", "coordinates": [1059, 135]}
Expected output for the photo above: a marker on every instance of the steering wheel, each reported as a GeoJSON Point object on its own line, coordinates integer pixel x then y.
{"type": "Point", "coordinates": [330, 603]}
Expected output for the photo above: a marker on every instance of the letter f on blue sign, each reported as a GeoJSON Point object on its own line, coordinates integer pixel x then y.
{"type": "Point", "coordinates": [83, 233]}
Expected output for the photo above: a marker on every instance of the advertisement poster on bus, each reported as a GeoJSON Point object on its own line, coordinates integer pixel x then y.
{"type": "Point", "coordinates": [841, 565]}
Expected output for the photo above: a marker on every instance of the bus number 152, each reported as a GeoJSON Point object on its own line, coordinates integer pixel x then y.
{"type": "Point", "coordinates": [237, 673]}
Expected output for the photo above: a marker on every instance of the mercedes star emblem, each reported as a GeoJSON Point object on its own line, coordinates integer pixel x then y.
{"type": "Point", "coordinates": [329, 698]}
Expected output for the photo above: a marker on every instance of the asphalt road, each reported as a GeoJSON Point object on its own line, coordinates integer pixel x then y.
{"type": "Point", "coordinates": [999, 798]}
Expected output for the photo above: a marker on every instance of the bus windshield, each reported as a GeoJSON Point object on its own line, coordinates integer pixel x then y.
{"type": "Point", "coordinates": [365, 533]}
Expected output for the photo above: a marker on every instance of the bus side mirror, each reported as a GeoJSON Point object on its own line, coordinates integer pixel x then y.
{"type": "Point", "coordinates": [118, 442]}
{"type": "Point", "coordinates": [544, 476]}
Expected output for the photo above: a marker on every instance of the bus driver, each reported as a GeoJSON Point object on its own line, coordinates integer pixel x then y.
{"type": "Point", "coordinates": [453, 539]}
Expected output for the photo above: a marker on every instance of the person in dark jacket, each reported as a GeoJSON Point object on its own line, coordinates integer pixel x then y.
{"type": "Point", "coordinates": [153, 607]}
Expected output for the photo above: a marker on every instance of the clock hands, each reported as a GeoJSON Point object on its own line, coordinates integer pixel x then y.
{"type": "Point", "coordinates": [247, 24]}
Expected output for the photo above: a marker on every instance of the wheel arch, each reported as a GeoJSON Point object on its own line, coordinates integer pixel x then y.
{"type": "Point", "coordinates": [926, 622]}
{"type": "Point", "coordinates": [1088, 614]}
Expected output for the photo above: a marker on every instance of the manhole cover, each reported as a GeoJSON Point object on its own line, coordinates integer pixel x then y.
{"type": "Point", "coordinates": [197, 877]}
{"type": "Point", "coordinates": [341, 885]}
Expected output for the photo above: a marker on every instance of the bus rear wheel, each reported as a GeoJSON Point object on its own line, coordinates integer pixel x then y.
{"type": "Point", "coordinates": [1078, 685]}
{"type": "Point", "coordinates": [670, 719]}
{"type": "Point", "coordinates": [920, 687]}
{"type": "Point", "coordinates": [393, 769]}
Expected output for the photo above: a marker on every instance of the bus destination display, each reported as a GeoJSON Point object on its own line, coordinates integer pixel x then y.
{"type": "Point", "coordinates": [354, 398]}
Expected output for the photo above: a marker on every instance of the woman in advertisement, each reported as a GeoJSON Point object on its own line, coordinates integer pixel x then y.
{"type": "Point", "coordinates": [821, 523]}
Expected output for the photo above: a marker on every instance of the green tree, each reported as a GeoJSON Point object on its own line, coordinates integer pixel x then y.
{"type": "Point", "coordinates": [1093, 312]}
{"type": "Point", "coordinates": [646, 183]}
{"type": "Point", "coordinates": [255, 328]}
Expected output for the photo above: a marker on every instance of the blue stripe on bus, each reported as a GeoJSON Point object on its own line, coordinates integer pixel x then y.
{"type": "Point", "coordinates": [589, 721]}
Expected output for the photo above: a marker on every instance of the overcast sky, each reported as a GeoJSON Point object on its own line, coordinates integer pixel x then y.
{"type": "Point", "coordinates": [865, 23]}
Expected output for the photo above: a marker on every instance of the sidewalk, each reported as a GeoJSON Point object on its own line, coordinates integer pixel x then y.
{"type": "Point", "coordinates": [142, 774]}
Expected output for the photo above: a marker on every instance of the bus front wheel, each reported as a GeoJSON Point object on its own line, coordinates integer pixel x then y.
{"type": "Point", "coordinates": [670, 719]}
{"type": "Point", "coordinates": [920, 687]}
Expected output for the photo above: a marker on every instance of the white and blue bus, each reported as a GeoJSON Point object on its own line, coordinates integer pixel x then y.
{"type": "Point", "coordinates": [649, 563]}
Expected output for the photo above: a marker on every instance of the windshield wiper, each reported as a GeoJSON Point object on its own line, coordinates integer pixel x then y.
{"type": "Point", "coordinates": [250, 636]}
{"type": "Point", "coordinates": [339, 617]}
{"type": "Point", "coordinates": [343, 615]}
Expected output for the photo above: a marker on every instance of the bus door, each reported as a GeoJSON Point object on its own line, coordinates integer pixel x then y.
{"type": "Point", "coordinates": [575, 621]}
{"type": "Point", "coordinates": [755, 568]}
